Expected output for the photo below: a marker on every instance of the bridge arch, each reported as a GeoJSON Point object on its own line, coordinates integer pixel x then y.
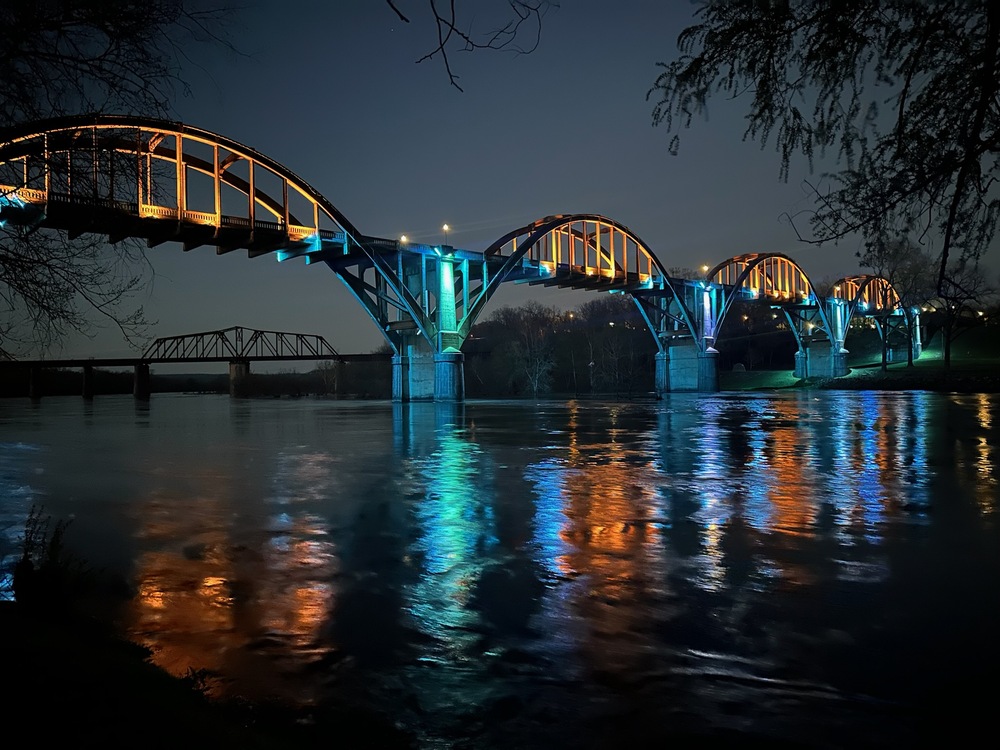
{"type": "Point", "coordinates": [777, 279]}
{"type": "Point", "coordinates": [136, 172]}
{"type": "Point", "coordinates": [159, 180]}
{"type": "Point", "coordinates": [581, 251]}
{"type": "Point", "coordinates": [870, 295]}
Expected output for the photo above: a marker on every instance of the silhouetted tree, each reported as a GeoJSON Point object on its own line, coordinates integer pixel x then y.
{"type": "Point", "coordinates": [530, 351]}
{"type": "Point", "coordinates": [910, 270]}
{"type": "Point", "coordinates": [618, 341]}
{"type": "Point", "coordinates": [817, 76]}
{"type": "Point", "coordinates": [960, 304]}
{"type": "Point", "coordinates": [66, 57]}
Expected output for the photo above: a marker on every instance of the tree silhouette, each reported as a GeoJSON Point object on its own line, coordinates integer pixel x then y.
{"type": "Point", "coordinates": [66, 57]}
{"type": "Point", "coordinates": [904, 95]}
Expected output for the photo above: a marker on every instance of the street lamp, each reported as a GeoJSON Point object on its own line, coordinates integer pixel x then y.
{"type": "Point", "coordinates": [402, 238]}
{"type": "Point", "coordinates": [445, 228]}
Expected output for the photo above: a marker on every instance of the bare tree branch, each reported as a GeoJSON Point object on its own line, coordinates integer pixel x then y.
{"type": "Point", "coordinates": [522, 18]}
{"type": "Point", "coordinates": [68, 57]}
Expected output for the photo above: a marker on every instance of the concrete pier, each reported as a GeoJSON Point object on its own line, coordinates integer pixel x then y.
{"type": "Point", "coordinates": [690, 369]}
{"type": "Point", "coordinates": [662, 376]}
{"type": "Point", "coordinates": [88, 382]}
{"type": "Point", "coordinates": [449, 376]}
{"type": "Point", "coordinates": [140, 382]}
{"type": "Point", "coordinates": [239, 371]}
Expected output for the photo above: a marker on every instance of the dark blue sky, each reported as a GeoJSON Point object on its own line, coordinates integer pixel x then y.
{"type": "Point", "coordinates": [332, 91]}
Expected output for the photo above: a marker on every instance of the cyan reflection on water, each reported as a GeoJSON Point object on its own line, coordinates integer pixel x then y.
{"type": "Point", "coordinates": [790, 562]}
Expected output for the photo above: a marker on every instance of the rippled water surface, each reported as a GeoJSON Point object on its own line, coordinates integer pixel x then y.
{"type": "Point", "coordinates": [812, 566]}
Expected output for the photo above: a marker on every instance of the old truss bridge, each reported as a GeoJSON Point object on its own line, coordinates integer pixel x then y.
{"type": "Point", "coordinates": [168, 182]}
{"type": "Point", "coordinates": [236, 346]}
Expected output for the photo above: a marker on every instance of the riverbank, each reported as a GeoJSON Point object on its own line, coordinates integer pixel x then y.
{"type": "Point", "coordinates": [69, 679]}
{"type": "Point", "coordinates": [964, 375]}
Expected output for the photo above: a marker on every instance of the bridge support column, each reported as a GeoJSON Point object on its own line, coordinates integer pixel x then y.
{"type": "Point", "coordinates": [239, 371]}
{"type": "Point", "coordinates": [838, 364]}
{"type": "Point", "coordinates": [400, 378]}
{"type": "Point", "coordinates": [449, 362]}
{"type": "Point", "coordinates": [662, 375]}
{"type": "Point", "coordinates": [140, 382]}
{"type": "Point", "coordinates": [35, 383]}
{"type": "Point", "coordinates": [708, 370]}
{"type": "Point", "coordinates": [683, 365]}
{"type": "Point", "coordinates": [88, 382]}
{"type": "Point", "coordinates": [449, 376]}
{"type": "Point", "coordinates": [413, 373]}
{"type": "Point", "coordinates": [801, 364]}
{"type": "Point", "coordinates": [823, 362]}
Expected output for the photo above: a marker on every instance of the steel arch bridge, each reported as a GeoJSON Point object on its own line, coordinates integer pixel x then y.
{"type": "Point", "coordinates": [820, 324]}
{"type": "Point", "coordinates": [162, 181]}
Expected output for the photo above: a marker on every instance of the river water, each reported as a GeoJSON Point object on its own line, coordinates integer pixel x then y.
{"type": "Point", "coordinates": [814, 567]}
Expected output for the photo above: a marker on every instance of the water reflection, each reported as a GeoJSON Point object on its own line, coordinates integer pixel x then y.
{"type": "Point", "coordinates": [451, 563]}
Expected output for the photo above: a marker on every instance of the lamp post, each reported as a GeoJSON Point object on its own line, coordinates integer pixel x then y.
{"type": "Point", "coordinates": [445, 228]}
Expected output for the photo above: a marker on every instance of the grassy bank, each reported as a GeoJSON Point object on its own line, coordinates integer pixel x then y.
{"type": "Point", "coordinates": [974, 368]}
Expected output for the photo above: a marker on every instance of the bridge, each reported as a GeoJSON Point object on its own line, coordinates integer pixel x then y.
{"type": "Point", "coordinates": [237, 346]}
{"type": "Point", "coordinates": [168, 182]}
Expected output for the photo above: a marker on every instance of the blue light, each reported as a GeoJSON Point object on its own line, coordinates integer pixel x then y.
{"type": "Point", "coordinates": [11, 200]}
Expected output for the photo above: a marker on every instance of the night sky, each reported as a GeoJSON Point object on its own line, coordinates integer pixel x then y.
{"type": "Point", "coordinates": [332, 91]}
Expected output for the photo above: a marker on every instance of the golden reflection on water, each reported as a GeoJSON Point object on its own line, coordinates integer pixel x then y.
{"type": "Point", "coordinates": [601, 501]}
{"type": "Point", "coordinates": [198, 605]}
{"type": "Point", "coordinates": [985, 487]}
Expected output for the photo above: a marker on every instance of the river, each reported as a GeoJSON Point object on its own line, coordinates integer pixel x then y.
{"type": "Point", "coordinates": [804, 566]}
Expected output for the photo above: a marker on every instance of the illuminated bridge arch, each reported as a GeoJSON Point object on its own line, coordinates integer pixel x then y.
{"type": "Point", "coordinates": [868, 295]}
{"type": "Point", "coordinates": [776, 279]}
{"type": "Point", "coordinates": [162, 181]}
{"type": "Point", "coordinates": [576, 251]}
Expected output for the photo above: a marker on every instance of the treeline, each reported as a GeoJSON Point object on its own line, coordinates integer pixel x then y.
{"type": "Point", "coordinates": [56, 381]}
{"type": "Point", "coordinates": [348, 380]}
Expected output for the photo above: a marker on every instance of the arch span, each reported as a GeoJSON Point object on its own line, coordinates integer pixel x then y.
{"type": "Point", "coordinates": [163, 181]}
{"type": "Point", "coordinates": [575, 251]}
{"type": "Point", "coordinates": [868, 294]}
{"type": "Point", "coordinates": [776, 279]}
{"type": "Point", "coordinates": [817, 322]}
{"type": "Point", "coordinates": [159, 180]}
